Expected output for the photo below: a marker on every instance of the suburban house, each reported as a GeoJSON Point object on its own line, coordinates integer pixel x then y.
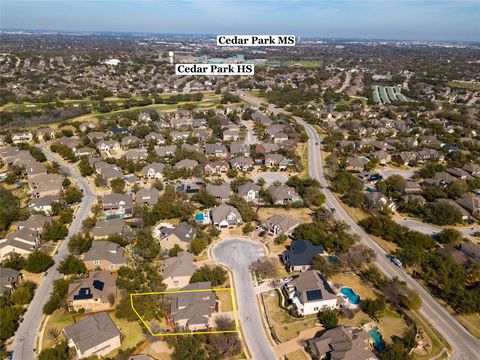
{"type": "Point", "coordinates": [471, 249]}
{"type": "Point", "coordinates": [280, 225]}
{"type": "Point", "coordinates": [377, 201]}
{"type": "Point", "coordinates": [239, 149]}
{"type": "Point", "coordinates": [220, 192]}
{"type": "Point", "coordinates": [216, 167]}
{"type": "Point", "coordinates": [103, 229]}
{"type": "Point", "coordinates": [283, 194]}
{"type": "Point", "coordinates": [342, 342]}
{"type": "Point", "coordinates": [117, 205]}
{"type": "Point", "coordinates": [177, 271]}
{"type": "Point", "coordinates": [34, 222]}
{"type": "Point", "coordinates": [9, 279]}
{"type": "Point", "coordinates": [153, 171]}
{"type": "Point", "coordinates": [216, 150]}
{"type": "Point", "coordinates": [147, 197]}
{"type": "Point", "coordinates": [192, 311]}
{"type": "Point", "coordinates": [225, 216]}
{"type": "Point", "coordinates": [23, 241]}
{"type": "Point", "coordinates": [250, 192]}
{"type": "Point", "coordinates": [22, 137]}
{"type": "Point", "coordinates": [300, 255]}
{"type": "Point", "coordinates": [241, 163]}
{"type": "Point", "coordinates": [186, 164]}
{"type": "Point", "coordinates": [93, 335]}
{"type": "Point", "coordinates": [310, 293]}
{"type": "Point", "coordinates": [105, 255]}
{"type": "Point", "coordinates": [44, 203]}
{"type": "Point", "coordinates": [470, 203]}
{"type": "Point", "coordinates": [95, 293]}
{"type": "Point", "coordinates": [181, 235]}
{"type": "Point", "coordinates": [109, 145]}
{"type": "Point", "coordinates": [276, 161]}
{"type": "Point", "coordinates": [166, 151]}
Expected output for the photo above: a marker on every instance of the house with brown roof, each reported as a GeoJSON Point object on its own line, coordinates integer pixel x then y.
{"type": "Point", "coordinates": [181, 235]}
{"type": "Point", "coordinates": [250, 192]}
{"type": "Point", "coordinates": [105, 255]}
{"type": "Point", "coordinates": [283, 194]}
{"type": "Point", "coordinates": [95, 293]}
{"type": "Point", "coordinates": [216, 167]}
{"type": "Point", "coordinates": [280, 225]}
{"type": "Point", "coordinates": [177, 271]}
{"type": "Point", "coordinates": [225, 216]}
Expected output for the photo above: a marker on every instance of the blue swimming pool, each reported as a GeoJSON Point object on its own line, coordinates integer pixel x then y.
{"type": "Point", "coordinates": [378, 342]}
{"type": "Point", "coordinates": [350, 295]}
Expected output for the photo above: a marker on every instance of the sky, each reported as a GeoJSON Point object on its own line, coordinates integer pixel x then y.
{"type": "Point", "coordinates": [365, 19]}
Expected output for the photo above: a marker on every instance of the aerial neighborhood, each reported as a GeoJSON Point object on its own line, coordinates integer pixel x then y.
{"type": "Point", "coordinates": [307, 212]}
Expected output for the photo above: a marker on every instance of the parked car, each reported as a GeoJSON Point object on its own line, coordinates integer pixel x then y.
{"type": "Point", "coordinates": [396, 261]}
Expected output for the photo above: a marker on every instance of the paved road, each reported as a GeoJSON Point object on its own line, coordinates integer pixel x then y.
{"type": "Point", "coordinates": [465, 346]}
{"type": "Point", "coordinates": [237, 254]}
{"type": "Point", "coordinates": [251, 136]}
{"type": "Point", "coordinates": [430, 229]}
{"type": "Point", "coordinates": [25, 337]}
{"type": "Point", "coordinates": [346, 83]}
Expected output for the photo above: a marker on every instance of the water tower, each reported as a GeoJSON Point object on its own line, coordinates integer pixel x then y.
{"type": "Point", "coordinates": [170, 55]}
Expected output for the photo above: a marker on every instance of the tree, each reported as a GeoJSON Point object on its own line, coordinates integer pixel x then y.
{"type": "Point", "coordinates": [85, 168]}
{"type": "Point", "coordinates": [205, 199]}
{"type": "Point", "coordinates": [216, 275]}
{"type": "Point", "coordinates": [80, 243]}
{"type": "Point", "coordinates": [71, 265]}
{"type": "Point", "coordinates": [244, 208]}
{"type": "Point", "coordinates": [60, 290]}
{"type": "Point", "coordinates": [188, 347]}
{"type": "Point", "coordinates": [23, 294]}
{"type": "Point", "coordinates": [9, 208]}
{"type": "Point", "coordinates": [266, 267]}
{"type": "Point", "coordinates": [146, 246]}
{"type": "Point", "coordinates": [280, 239]}
{"type": "Point", "coordinates": [360, 255]}
{"type": "Point", "coordinates": [58, 352]}
{"type": "Point", "coordinates": [38, 262]}
{"type": "Point", "coordinates": [54, 231]}
{"type": "Point", "coordinates": [450, 236]}
{"type": "Point", "coordinates": [374, 308]}
{"type": "Point", "coordinates": [9, 316]}
{"type": "Point", "coordinates": [175, 250]}
{"type": "Point", "coordinates": [328, 318]}
{"type": "Point", "coordinates": [118, 185]}
{"type": "Point", "coordinates": [53, 334]}
{"type": "Point", "coordinates": [322, 264]}
{"type": "Point", "coordinates": [197, 245]}
{"type": "Point", "coordinates": [224, 345]}
{"type": "Point", "coordinates": [14, 261]}
{"type": "Point", "coordinates": [66, 182]}
{"type": "Point", "coordinates": [395, 351]}
{"type": "Point", "coordinates": [73, 195]}
{"type": "Point", "coordinates": [443, 214]}
{"type": "Point", "coordinates": [247, 228]}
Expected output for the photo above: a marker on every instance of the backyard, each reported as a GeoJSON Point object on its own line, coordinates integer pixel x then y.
{"type": "Point", "coordinates": [285, 326]}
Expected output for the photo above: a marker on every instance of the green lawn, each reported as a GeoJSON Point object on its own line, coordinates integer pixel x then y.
{"type": "Point", "coordinates": [471, 322]}
{"type": "Point", "coordinates": [58, 320]}
{"type": "Point", "coordinates": [474, 86]}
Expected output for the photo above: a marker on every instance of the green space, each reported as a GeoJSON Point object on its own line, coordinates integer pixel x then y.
{"type": "Point", "coordinates": [468, 85]}
{"type": "Point", "coordinates": [471, 322]}
{"type": "Point", "coordinates": [286, 327]}
{"type": "Point", "coordinates": [303, 63]}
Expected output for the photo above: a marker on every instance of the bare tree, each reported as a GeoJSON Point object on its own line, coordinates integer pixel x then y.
{"type": "Point", "coordinates": [266, 267]}
{"type": "Point", "coordinates": [53, 334]}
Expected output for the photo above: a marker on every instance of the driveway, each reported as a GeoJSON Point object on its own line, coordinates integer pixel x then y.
{"type": "Point", "coordinates": [405, 173]}
{"type": "Point", "coordinates": [238, 254]}
{"type": "Point", "coordinates": [430, 229]}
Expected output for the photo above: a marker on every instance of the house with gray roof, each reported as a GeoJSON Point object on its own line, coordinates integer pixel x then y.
{"type": "Point", "coordinates": [225, 216]}
{"type": "Point", "coordinates": [22, 241]}
{"type": "Point", "coordinates": [9, 279]}
{"type": "Point", "coordinates": [105, 255]}
{"type": "Point", "coordinates": [241, 163]}
{"type": "Point", "coordinates": [283, 194]}
{"type": "Point", "coordinates": [192, 311]}
{"type": "Point", "coordinates": [239, 149]}
{"type": "Point", "coordinates": [147, 197]}
{"type": "Point", "coordinates": [177, 270]}
{"type": "Point", "coordinates": [153, 171]}
{"type": "Point", "coordinates": [186, 164]}
{"type": "Point", "coordinates": [342, 342]}
{"type": "Point", "coordinates": [216, 167]}
{"type": "Point", "coordinates": [104, 229]}
{"type": "Point", "coordinates": [117, 205]}
{"type": "Point", "coordinates": [95, 334]}
{"type": "Point", "coordinates": [300, 255]}
{"type": "Point", "coordinates": [166, 151]}
{"type": "Point", "coordinates": [280, 225]}
{"type": "Point", "coordinates": [221, 192]}
{"type": "Point", "coordinates": [310, 293]}
{"type": "Point", "coordinates": [181, 235]}
{"type": "Point", "coordinates": [250, 192]}
{"type": "Point", "coordinates": [216, 150]}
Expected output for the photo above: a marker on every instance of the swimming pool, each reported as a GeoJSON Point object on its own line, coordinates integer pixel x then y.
{"type": "Point", "coordinates": [378, 342]}
{"type": "Point", "coordinates": [350, 295]}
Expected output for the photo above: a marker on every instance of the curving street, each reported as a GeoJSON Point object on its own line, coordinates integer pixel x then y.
{"type": "Point", "coordinates": [25, 337]}
{"type": "Point", "coordinates": [465, 346]}
{"type": "Point", "coordinates": [238, 254]}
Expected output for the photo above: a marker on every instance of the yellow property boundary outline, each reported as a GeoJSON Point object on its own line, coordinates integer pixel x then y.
{"type": "Point", "coordinates": [230, 290]}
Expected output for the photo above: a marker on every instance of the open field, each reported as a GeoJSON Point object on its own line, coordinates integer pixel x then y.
{"type": "Point", "coordinates": [301, 214]}
{"type": "Point", "coordinates": [474, 86]}
{"type": "Point", "coordinates": [285, 326]}
{"type": "Point", "coordinates": [303, 63]}
{"type": "Point", "coordinates": [297, 355]}
{"type": "Point", "coordinates": [471, 323]}
{"type": "Point", "coordinates": [302, 151]}
{"type": "Point", "coordinates": [58, 320]}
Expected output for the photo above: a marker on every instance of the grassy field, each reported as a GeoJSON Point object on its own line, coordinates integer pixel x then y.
{"type": "Point", "coordinates": [225, 300]}
{"type": "Point", "coordinates": [302, 152]}
{"type": "Point", "coordinates": [474, 86]}
{"type": "Point", "coordinates": [297, 355]}
{"type": "Point", "coordinates": [303, 63]}
{"type": "Point", "coordinates": [304, 215]}
{"type": "Point", "coordinates": [285, 326]}
{"type": "Point", "coordinates": [471, 323]}
{"type": "Point", "coordinates": [58, 320]}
